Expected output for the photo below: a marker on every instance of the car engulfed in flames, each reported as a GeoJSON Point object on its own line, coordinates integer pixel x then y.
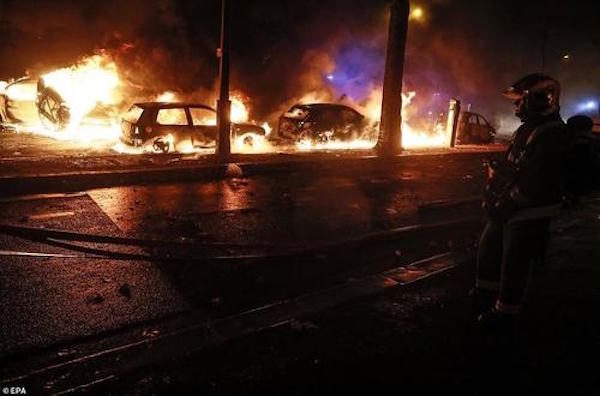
{"type": "Point", "coordinates": [78, 102]}
{"type": "Point", "coordinates": [321, 123]}
{"type": "Point", "coordinates": [91, 101]}
{"type": "Point", "coordinates": [168, 125]}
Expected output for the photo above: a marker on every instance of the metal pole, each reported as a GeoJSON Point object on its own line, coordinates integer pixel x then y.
{"type": "Point", "coordinates": [224, 104]}
{"type": "Point", "coordinates": [453, 116]}
{"type": "Point", "coordinates": [390, 130]}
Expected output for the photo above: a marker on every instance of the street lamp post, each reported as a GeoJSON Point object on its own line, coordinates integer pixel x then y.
{"type": "Point", "coordinates": [390, 130]}
{"type": "Point", "coordinates": [224, 103]}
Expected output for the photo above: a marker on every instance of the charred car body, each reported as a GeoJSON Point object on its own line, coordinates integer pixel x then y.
{"type": "Point", "coordinates": [152, 122]}
{"type": "Point", "coordinates": [473, 128]}
{"type": "Point", "coordinates": [321, 122]}
{"type": "Point", "coordinates": [29, 101]}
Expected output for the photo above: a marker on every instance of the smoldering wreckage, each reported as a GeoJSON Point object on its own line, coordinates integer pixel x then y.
{"type": "Point", "coordinates": [92, 101]}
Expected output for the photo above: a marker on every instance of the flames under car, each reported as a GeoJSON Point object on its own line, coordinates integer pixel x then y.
{"type": "Point", "coordinates": [152, 122]}
{"type": "Point", "coordinates": [321, 122]}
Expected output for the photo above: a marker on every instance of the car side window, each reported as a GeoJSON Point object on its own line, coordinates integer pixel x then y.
{"type": "Point", "coordinates": [482, 121]}
{"type": "Point", "coordinates": [174, 116]}
{"type": "Point", "coordinates": [473, 120]}
{"type": "Point", "coordinates": [202, 116]}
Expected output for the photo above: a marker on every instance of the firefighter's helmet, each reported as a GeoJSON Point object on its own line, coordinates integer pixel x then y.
{"type": "Point", "coordinates": [534, 95]}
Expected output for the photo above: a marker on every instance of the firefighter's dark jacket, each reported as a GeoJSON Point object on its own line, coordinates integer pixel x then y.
{"type": "Point", "coordinates": [537, 154]}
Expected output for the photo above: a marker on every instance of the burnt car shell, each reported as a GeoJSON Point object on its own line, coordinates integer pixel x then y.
{"type": "Point", "coordinates": [473, 128]}
{"type": "Point", "coordinates": [194, 122]}
{"type": "Point", "coordinates": [320, 121]}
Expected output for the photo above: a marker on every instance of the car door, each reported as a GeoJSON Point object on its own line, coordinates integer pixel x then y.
{"type": "Point", "coordinates": [174, 121]}
{"type": "Point", "coordinates": [204, 125]}
{"type": "Point", "coordinates": [486, 131]}
{"type": "Point", "coordinates": [469, 128]}
{"type": "Point", "coordinates": [350, 127]}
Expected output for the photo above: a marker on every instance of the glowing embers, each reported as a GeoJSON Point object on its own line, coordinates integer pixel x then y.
{"type": "Point", "coordinates": [162, 145]}
{"type": "Point", "coordinates": [358, 144]}
{"type": "Point", "coordinates": [251, 143]}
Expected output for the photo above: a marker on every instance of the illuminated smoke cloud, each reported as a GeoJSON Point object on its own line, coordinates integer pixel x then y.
{"type": "Point", "coordinates": [283, 50]}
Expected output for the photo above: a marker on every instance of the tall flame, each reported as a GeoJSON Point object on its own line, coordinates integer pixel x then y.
{"type": "Point", "coordinates": [411, 137]}
{"type": "Point", "coordinates": [239, 110]}
{"type": "Point", "coordinates": [95, 80]}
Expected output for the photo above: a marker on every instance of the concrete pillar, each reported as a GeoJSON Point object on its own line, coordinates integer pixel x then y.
{"type": "Point", "coordinates": [390, 130]}
{"type": "Point", "coordinates": [453, 116]}
{"type": "Point", "coordinates": [223, 149]}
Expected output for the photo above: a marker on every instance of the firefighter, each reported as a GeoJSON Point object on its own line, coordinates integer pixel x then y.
{"type": "Point", "coordinates": [524, 192]}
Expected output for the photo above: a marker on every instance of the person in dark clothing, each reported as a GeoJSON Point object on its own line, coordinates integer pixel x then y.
{"type": "Point", "coordinates": [524, 192]}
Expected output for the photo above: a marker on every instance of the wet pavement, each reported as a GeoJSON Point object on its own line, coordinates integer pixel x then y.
{"type": "Point", "coordinates": [53, 299]}
{"type": "Point", "coordinates": [421, 339]}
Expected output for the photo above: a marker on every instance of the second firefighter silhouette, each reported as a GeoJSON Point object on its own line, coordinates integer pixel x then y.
{"type": "Point", "coordinates": [524, 192]}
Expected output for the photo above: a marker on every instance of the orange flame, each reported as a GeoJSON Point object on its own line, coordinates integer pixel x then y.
{"type": "Point", "coordinates": [411, 137]}
{"type": "Point", "coordinates": [167, 96]}
{"type": "Point", "coordinates": [95, 80]}
{"type": "Point", "coordinates": [239, 109]}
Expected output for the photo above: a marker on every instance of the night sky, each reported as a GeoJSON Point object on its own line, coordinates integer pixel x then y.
{"type": "Point", "coordinates": [280, 50]}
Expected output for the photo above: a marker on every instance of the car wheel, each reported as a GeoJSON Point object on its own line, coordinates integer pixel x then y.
{"type": "Point", "coordinates": [53, 113]}
{"type": "Point", "coordinates": [248, 140]}
{"type": "Point", "coordinates": [160, 145]}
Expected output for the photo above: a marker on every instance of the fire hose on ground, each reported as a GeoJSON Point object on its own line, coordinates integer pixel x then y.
{"type": "Point", "coordinates": [64, 239]}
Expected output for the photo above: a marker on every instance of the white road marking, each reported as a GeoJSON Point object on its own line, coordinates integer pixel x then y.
{"type": "Point", "coordinates": [40, 197]}
{"type": "Point", "coordinates": [53, 215]}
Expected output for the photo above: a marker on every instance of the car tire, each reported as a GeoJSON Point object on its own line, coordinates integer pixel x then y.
{"type": "Point", "coordinates": [160, 146]}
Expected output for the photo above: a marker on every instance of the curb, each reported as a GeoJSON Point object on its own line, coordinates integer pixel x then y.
{"type": "Point", "coordinates": [80, 181]}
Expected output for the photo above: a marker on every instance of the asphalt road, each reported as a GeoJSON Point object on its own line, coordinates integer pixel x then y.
{"type": "Point", "coordinates": [420, 340]}
{"type": "Point", "coordinates": [51, 300]}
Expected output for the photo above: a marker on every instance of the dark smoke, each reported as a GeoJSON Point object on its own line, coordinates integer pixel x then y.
{"type": "Point", "coordinates": [284, 49]}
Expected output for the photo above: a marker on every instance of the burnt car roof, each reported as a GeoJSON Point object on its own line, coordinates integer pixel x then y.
{"type": "Point", "coordinates": [171, 105]}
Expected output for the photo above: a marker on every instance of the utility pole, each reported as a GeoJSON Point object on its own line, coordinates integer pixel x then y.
{"type": "Point", "coordinates": [223, 149]}
{"type": "Point", "coordinates": [390, 130]}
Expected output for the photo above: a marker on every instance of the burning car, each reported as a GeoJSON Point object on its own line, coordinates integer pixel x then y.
{"type": "Point", "coordinates": [473, 128]}
{"type": "Point", "coordinates": [321, 122]}
{"type": "Point", "coordinates": [165, 123]}
{"type": "Point", "coordinates": [29, 101]}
